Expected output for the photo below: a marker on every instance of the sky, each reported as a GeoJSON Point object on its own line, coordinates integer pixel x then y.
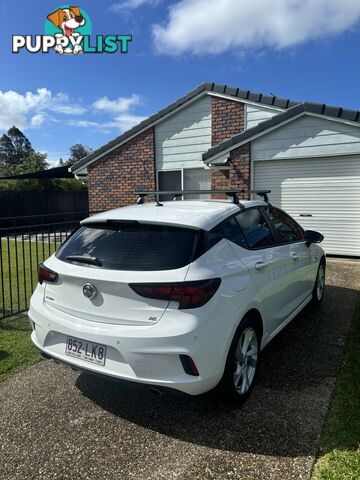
{"type": "Point", "coordinates": [297, 49]}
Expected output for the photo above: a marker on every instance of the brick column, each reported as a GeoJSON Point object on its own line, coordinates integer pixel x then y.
{"type": "Point", "coordinates": [227, 119]}
{"type": "Point", "coordinates": [239, 176]}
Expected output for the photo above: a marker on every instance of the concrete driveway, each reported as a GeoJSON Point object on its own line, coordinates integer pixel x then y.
{"type": "Point", "coordinates": [56, 424]}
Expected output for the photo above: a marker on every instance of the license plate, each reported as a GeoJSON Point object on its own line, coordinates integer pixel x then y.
{"type": "Point", "coordinates": [88, 351]}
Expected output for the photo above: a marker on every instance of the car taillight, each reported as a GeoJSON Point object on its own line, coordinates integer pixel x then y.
{"type": "Point", "coordinates": [188, 294]}
{"type": "Point", "coordinates": [46, 275]}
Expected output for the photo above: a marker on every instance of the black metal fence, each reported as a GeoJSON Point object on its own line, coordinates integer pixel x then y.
{"type": "Point", "coordinates": [26, 205]}
{"type": "Point", "coordinates": [22, 249]}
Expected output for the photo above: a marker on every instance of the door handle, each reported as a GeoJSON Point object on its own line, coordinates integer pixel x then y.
{"type": "Point", "coordinates": [260, 265]}
{"type": "Point", "coordinates": [295, 256]}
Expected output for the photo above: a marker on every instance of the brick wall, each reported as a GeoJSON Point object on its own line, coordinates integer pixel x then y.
{"type": "Point", "coordinates": [227, 119]}
{"type": "Point", "coordinates": [130, 166]}
{"type": "Point", "coordinates": [239, 176]}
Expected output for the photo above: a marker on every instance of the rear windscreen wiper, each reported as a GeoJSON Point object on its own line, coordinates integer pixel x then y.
{"type": "Point", "coordinates": [84, 259]}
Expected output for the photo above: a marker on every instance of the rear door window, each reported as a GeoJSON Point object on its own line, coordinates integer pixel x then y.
{"type": "Point", "coordinates": [255, 228]}
{"type": "Point", "coordinates": [229, 230]}
{"type": "Point", "coordinates": [130, 246]}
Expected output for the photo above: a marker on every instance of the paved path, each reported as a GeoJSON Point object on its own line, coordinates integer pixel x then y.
{"type": "Point", "coordinates": [55, 424]}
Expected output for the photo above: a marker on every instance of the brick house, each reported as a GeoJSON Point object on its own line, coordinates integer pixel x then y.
{"type": "Point", "coordinates": [219, 137]}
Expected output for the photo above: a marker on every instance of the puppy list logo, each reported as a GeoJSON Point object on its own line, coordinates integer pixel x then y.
{"type": "Point", "coordinates": [67, 31]}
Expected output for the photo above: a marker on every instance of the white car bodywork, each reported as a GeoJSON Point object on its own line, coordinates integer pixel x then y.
{"type": "Point", "coordinates": [144, 337]}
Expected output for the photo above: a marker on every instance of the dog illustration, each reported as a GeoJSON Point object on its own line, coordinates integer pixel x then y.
{"type": "Point", "coordinates": [67, 20]}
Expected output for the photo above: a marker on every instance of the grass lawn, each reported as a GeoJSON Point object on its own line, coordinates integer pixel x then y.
{"type": "Point", "coordinates": [18, 272]}
{"type": "Point", "coordinates": [340, 444]}
{"type": "Point", "coordinates": [16, 348]}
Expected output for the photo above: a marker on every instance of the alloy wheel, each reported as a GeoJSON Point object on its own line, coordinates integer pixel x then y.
{"type": "Point", "coordinates": [246, 358]}
{"type": "Point", "coordinates": [320, 282]}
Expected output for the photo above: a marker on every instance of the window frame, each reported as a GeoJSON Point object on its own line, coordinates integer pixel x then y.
{"type": "Point", "coordinates": [181, 170]}
{"type": "Point", "coordinates": [228, 219]}
{"type": "Point", "coordinates": [273, 233]}
{"type": "Point", "coordinates": [234, 215]}
{"type": "Point", "coordinates": [279, 241]}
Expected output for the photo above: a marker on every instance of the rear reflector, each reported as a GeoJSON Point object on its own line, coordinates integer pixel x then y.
{"type": "Point", "coordinates": [189, 365]}
{"type": "Point", "coordinates": [188, 294]}
{"type": "Point", "coordinates": [46, 275]}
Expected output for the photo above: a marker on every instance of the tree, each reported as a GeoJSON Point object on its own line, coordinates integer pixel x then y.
{"type": "Point", "coordinates": [7, 152]}
{"type": "Point", "coordinates": [17, 156]}
{"type": "Point", "coordinates": [77, 152]}
{"type": "Point", "coordinates": [22, 145]}
{"type": "Point", "coordinates": [35, 162]}
{"type": "Point", "coordinates": [15, 148]}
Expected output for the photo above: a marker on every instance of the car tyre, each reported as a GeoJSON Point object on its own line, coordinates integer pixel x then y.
{"type": "Point", "coordinates": [242, 363]}
{"type": "Point", "coordinates": [319, 287]}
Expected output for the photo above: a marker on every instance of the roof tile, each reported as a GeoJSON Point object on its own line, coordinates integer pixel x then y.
{"type": "Point", "coordinates": [276, 120]}
{"type": "Point", "coordinates": [218, 88]}
{"type": "Point", "coordinates": [280, 102]}
{"type": "Point", "coordinates": [352, 115]}
{"type": "Point", "coordinates": [290, 105]}
{"type": "Point", "coordinates": [254, 97]}
{"type": "Point", "coordinates": [267, 99]}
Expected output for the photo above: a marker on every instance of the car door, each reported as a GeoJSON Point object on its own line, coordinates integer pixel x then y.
{"type": "Point", "coordinates": [291, 236]}
{"type": "Point", "coordinates": [270, 266]}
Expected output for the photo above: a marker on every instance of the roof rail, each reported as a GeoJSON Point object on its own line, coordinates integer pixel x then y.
{"type": "Point", "coordinates": [234, 194]}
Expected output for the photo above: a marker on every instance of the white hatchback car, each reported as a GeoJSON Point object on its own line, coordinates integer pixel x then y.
{"type": "Point", "coordinates": [183, 295]}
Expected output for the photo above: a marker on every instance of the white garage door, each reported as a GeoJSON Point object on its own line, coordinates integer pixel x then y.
{"type": "Point", "coordinates": [322, 194]}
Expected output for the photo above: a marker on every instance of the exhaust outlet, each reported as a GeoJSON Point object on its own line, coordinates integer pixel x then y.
{"type": "Point", "coordinates": [155, 391]}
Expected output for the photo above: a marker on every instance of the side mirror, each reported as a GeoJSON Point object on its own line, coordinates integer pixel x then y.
{"type": "Point", "coordinates": [313, 237]}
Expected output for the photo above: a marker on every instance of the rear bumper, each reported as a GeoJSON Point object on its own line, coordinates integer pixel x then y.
{"type": "Point", "coordinates": [82, 369]}
{"type": "Point", "coordinates": [144, 354]}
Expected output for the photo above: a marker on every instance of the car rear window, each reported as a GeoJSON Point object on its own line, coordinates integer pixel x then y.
{"type": "Point", "coordinates": [131, 246]}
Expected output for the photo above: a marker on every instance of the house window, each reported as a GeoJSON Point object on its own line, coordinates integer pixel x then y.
{"type": "Point", "coordinates": [185, 179]}
{"type": "Point", "coordinates": [169, 180]}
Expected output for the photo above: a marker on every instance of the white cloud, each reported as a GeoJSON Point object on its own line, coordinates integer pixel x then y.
{"type": "Point", "coordinates": [214, 26]}
{"type": "Point", "coordinates": [82, 123]}
{"type": "Point", "coordinates": [37, 120]}
{"type": "Point", "coordinates": [69, 109]}
{"type": "Point", "coordinates": [121, 122]}
{"type": "Point", "coordinates": [132, 4]}
{"type": "Point", "coordinates": [31, 109]}
{"type": "Point", "coordinates": [127, 121]}
{"type": "Point", "coordinates": [120, 108]}
{"type": "Point", "coordinates": [42, 107]}
{"type": "Point", "coordinates": [119, 105]}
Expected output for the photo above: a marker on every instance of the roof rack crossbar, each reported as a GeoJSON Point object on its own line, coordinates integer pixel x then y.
{"type": "Point", "coordinates": [234, 194]}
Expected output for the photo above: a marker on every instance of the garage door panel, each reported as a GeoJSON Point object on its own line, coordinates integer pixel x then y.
{"type": "Point", "coordinates": [327, 189]}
